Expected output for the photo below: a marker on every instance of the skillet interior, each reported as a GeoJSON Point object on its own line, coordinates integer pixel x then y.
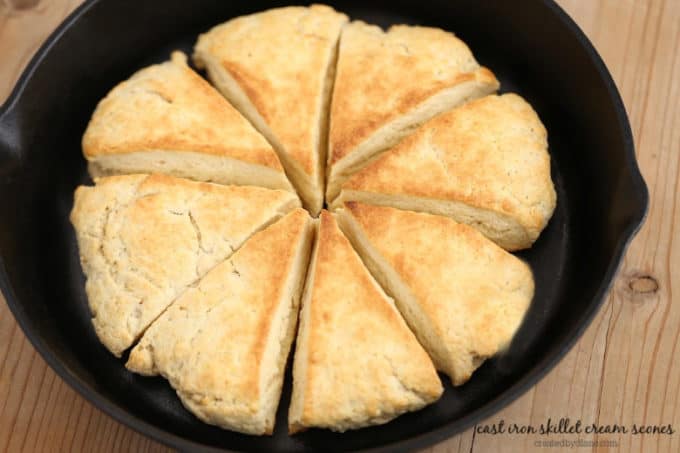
{"type": "Point", "coordinates": [534, 50]}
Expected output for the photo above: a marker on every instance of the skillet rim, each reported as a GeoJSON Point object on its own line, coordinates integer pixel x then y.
{"type": "Point", "coordinates": [538, 371]}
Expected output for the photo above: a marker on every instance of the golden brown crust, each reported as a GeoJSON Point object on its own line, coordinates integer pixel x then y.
{"type": "Point", "coordinates": [143, 239]}
{"type": "Point", "coordinates": [471, 292]}
{"type": "Point", "coordinates": [170, 107]}
{"type": "Point", "coordinates": [363, 366]}
{"type": "Point", "coordinates": [210, 278]}
{"type": "Point", "coordinates": [381, 76]}
{"type": "Point", "coordinates": [491, 153]}
{"type": "Point", "coordinates": [212, 343]}
{"type": "Point", "coordinates": [279, 58]}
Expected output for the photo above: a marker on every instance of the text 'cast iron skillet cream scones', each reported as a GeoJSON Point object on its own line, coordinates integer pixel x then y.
{"type": "Point", "coordinates": [202, 282]}
{"type": "Point", "coordinates": [387, 83]}
{"type": "Point", "coordinates": [356, 362]}
{"type": "Point", "coordinates": [463, 296]}
{"type": "Point", "coordinates": [168, 119]}
{"type": "Point", "coordinates": [223, 344]}
{"type": "Point", "coordinates": [144, 239]}
{"type": "Point", "coordinates": [277, 68]}
{"type": "Point", "coordinates": [485, 164]}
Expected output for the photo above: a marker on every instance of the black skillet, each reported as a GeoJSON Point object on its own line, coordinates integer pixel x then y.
{"type": "Point", "coordinates": [534, 48]}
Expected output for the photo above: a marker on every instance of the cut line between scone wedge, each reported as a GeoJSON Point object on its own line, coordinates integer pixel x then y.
{"type": "Point", "coordinates": [356, 362]}
{"type": "Point", "coordinates": [167, 119]}
{"type": "Point", "coordinates": [462, 295]}
{"type": "Point", "coordinates": [388, 83]}
{"type": "Point", "coordinates": [485, 164]}
{"type": "Point", "coordinates": [277, 67]}
{"type": "Point", "coordinates": [143, 239]}
{"type": "Point", "coordinates": [224, 343]}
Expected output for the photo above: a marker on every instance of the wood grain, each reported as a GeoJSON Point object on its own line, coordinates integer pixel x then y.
{"type": "Point", "coordinates": [624, 370]}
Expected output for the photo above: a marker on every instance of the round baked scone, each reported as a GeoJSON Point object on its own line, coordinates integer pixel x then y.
{"type": "Point", "coordinates": [277, 67]}
{"type": "Point", "coordinates": [433, 178]}
{"type": "Point", "coordinates": [463, 296]}
{"type": "Point", "coordinates": [485, 164]}
{"type": "Point", "coordinates": [356, 362]}
{"type": "Point", "coordinates": [167, 119]}
{"type": "Point", "coordinates": [388, 83]}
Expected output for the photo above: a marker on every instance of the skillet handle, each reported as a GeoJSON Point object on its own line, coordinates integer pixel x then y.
{"type": "Point", "coordinates": [9, 141]}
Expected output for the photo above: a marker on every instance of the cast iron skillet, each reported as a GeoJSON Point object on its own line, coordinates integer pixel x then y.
{"type": "Point", "coordinates": [535, 49]}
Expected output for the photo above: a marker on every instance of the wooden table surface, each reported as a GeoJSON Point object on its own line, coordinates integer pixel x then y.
{"type": "Point", "coordinates": [624, 370]}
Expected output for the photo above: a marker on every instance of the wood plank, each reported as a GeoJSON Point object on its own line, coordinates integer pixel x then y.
{"type": "Point", "coordinates": [24, 25]}
{"type": "Point", "coordinates": [641, 380]}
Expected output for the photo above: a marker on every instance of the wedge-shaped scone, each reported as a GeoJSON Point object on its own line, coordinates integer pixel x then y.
{"type": "Point", "coordinates": [463, 296]}
{"type": "Point", "coordinates": [167, 119]}
{"type": "Point", "coordinates": [143, 239]}
{"type": "Point", "coordinates": [277, 68]}
{"type": "Point", "coordinates": [485, 164]}
{"type": "Point", "coordinates": [223, 344]}
{"type": "Point", "coordinates": [389, 83]}
{"type": "Point", "coordinates": [356, 361]}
